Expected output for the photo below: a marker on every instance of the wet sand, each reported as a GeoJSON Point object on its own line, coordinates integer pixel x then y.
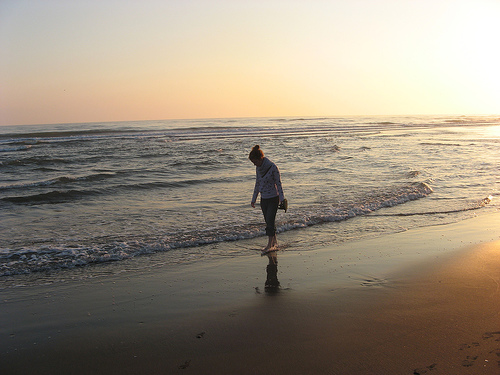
{"type": "Point", "coordinates": [426, 301]}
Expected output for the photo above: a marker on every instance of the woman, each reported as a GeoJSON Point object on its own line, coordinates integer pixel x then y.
{"type": "Point", "coordinates": [268, 184]}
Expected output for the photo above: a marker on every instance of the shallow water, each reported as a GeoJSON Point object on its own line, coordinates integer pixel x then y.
{"type": "Point", "coordinates": [76, 194]}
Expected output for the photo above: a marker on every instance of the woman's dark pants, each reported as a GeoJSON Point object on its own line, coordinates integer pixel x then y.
{"type": "Point", "coordinates": [269, 209]}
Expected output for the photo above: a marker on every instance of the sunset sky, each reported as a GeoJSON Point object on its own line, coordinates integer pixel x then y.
{"type": "Point", "coordinates": [112, 60]}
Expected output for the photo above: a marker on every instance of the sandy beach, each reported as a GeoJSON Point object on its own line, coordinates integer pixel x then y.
{"type": "Point", "coordinates": [424, 301]}
{"type": "Point", "coordinates": [144, 145]}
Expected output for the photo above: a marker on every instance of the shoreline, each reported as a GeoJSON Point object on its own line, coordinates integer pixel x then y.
{"type": "Point", "coordinates": [421, 301]}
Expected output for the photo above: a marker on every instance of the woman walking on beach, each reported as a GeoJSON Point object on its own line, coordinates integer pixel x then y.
{"type": "Point", "coordinates": [268, 184]}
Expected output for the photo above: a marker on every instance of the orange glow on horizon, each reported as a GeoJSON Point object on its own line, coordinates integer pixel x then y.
{"type": "Point", "coordinates": [161, 60]}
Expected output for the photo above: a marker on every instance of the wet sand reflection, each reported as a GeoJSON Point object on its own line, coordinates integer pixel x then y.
{"type": "Point", "coordinates": [272, 284]}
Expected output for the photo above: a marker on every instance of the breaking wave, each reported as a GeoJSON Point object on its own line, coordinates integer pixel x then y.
{"type": "Point", "coordinates": [45, 258]}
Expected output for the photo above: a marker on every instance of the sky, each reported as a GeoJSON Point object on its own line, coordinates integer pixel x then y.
{"type": "Point", "coordinates": [122, 60]}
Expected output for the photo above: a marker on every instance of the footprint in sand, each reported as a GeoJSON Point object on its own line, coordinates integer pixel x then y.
{"type": "Point", "coordinates": [469, 361]}
{"type": "Point", "coordinates": [496, 335]}
{"type": "Point", "coordinates": [489, 335]}
{"type": "Point", "coordinates": [497, 352]}
{"type": "Point", "coordinates": [468, 346]}
{"type": "Point", "coordinates": [424, 370]}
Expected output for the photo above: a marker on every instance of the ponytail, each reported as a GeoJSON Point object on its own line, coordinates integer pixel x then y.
{"type": "Point", "coordinates": [256, 153]}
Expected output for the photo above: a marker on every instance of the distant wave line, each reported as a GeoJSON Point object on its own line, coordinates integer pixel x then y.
{"type": "Point", "coordinates": [59, 180]}
{"type": "Point", "coordinates": [197, 132]}
{"type": "Point", "coordinates": [65, 196]}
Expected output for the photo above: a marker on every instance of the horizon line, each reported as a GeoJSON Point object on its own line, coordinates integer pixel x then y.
{"type": "Point", "coordinates": [309, 117]}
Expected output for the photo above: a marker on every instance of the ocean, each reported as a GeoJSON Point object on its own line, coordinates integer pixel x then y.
{"type": "Point", "coordinates": [74, 196]}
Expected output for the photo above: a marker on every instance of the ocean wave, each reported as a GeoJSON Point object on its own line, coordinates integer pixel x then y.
{"type": "Point", "coordinates": [241, 127]}
{"type": "Point", "coordinates": [12, 148]}
{"type": "Point", "coordinates": [475, 206]}
{"type": "Point", "coordinates": [27, 260]}
{"type": "Point", "coordinates": [467, 120]}
{"type": "Point", "coordinates": [23, 136]}
{"type": "Point", "coordinates": [172, 184]}
{"type": "Point", "coordinates": [287, 127]}
{"type": "Point", "coordinates": [58, 181]}
{"type": "Point", "coordinates": [51, 197]}
{"type": "Point", "coordinates": [39, 161]}
{"type": "Point", "coordinates": [58, 195]}
{"type": "Point", "coordinates": [300, 119]}
{"type": "Point", "coordinates": [48, 258]}
{"type": "Point", "coordinates": [366, 205]}
{"type": "Point", "coordinates": [440, 144]}
{"type": "Point", "coordinates": [385, 123]}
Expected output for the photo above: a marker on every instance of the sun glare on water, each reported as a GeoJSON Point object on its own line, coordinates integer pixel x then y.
{"type": "Point", "coordinates": [494, 131]}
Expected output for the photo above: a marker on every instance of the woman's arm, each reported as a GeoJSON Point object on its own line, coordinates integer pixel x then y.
{"type": "Point", "coordinates": [255, 192]}
{"type": "Point", "coordinates": [277, 181]}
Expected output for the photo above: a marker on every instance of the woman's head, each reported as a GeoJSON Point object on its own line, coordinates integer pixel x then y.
{"type": "Point", "coordinates": [256, 155]}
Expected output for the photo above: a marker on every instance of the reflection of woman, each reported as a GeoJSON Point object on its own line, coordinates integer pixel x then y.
{"type": "Point", "coordinates": [268, 184]}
